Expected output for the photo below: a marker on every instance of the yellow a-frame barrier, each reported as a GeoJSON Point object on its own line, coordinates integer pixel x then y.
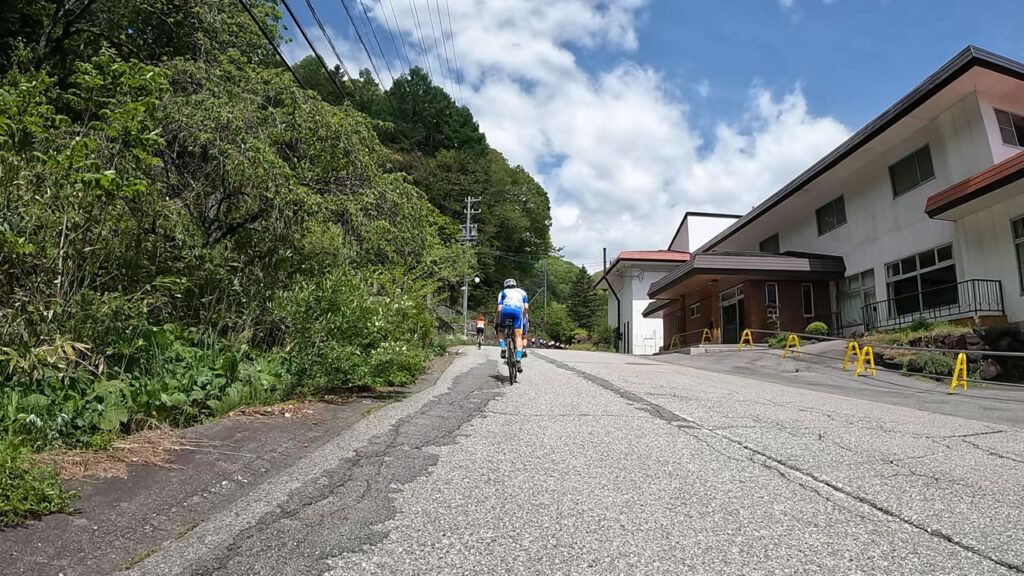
{"type": "Point", "coordinates": [746, 340]}
{"type": "Point", "coordinates": [959, 373]}
{"type": "Point", "coordinates": [794, 341]}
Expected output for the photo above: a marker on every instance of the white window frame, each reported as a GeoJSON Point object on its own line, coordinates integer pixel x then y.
{"type": "Point", "coordinates": [830, 203]}
{"type": "Point", "coordinates": [767, 300]}
{"type": "Point", "coordinates": [862, 289]}
{"type": "Point", "coordinates": [803, 301]}
{"type": "Point", "coordinates": [1016, 242]}
{"type": "Point", "coordinates": [918, 271]}
{"type": "Point", "coordinates": [920, 182]}
{"type": "Point", "coordinates": [695, 310]}
{"type": "Point", "coordinates": [1016, 142]}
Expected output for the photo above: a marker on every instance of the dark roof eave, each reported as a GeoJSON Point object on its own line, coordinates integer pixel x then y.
{"type": "Point", "coordinates": [1016, 172]}
{"type": "Point", "coordinates": [817, 268]}
{"type": "Point", "coordinates": [968, 58]}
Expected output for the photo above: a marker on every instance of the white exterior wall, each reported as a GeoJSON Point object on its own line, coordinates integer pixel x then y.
{"type": "Point", "coordinates": [644, 333]}
{"type": "Point", "coordinates": [695, 231]}
{"type": "Point", "coordinates": [879, 228]}
{"type": "Point", "coordinates": [986, 241]}
{"type": "Point", "coordinates": [988, 104]}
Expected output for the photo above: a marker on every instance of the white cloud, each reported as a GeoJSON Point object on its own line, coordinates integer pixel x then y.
{"type": "Point", "coordinates": [616, 148]}
{"type": "Point", "coordinates": [704, 88]}
{"type": "Point", "coordinates": [786, 4]}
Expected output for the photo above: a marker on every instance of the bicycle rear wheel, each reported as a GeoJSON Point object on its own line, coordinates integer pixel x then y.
{"type": "Point", "coordinates": [510, 359]}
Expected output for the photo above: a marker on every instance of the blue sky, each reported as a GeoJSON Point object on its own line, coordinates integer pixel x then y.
{"type": "Point", "coordinates": [631, 112]}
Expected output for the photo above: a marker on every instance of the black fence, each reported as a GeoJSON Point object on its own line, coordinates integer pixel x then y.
{"type": "Point", "coordinates": [963, 299]}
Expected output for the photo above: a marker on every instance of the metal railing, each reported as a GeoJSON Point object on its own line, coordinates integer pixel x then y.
{"type": "Point", "coordinates": [962, 299]}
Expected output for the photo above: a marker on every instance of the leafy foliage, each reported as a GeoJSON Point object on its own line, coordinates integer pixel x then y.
{"type": "Point", "coordinates": [817, 329]}
{"type": "Point", "coordinates": [583, 305]}
{"type": "Point", "coordinates": [28, 490]}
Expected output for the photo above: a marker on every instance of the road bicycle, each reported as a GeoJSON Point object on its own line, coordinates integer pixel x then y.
{"type": "Point", "coordinates": [510, 350]}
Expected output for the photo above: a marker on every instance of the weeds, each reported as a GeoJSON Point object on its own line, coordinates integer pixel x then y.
{"type": "Point", "coordinates": [28, 490]}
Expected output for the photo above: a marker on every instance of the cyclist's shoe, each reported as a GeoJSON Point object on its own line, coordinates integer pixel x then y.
{"type": "Point", "coordinates": [525, 354]}
{"type": "Point", "coordinates": [519, 366]}
{"type": "Point", "coordinates": [502, 353]}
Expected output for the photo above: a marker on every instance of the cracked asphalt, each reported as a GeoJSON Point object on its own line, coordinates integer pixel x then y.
{"type": "Point", "coordinates": [606, 464]}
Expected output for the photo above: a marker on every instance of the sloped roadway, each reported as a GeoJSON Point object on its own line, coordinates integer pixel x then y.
{"type": "Point", "coordinates": [605, 464]}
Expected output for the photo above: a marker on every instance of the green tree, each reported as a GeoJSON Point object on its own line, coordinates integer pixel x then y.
{"type": "Point", "coordinates": [427, 120]}
{"type": "Point", "coordinates": [557, 325]}
{"type": "Point", "coordinates": [583, 304]}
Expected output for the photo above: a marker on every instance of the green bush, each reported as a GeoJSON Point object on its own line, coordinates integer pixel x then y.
{"type": "Point", "coordinates": [932, 363]}
{"type": "Point", "coordinates": [920, 324]}
{"type": "Point", "coordinates": [341, 334]}
{"type": "Point", "coordinates": [816, 329]}
{"type": "Point", "coordinates": [778, 340]}
{"type": "Point", "coordinates": [28, 490]}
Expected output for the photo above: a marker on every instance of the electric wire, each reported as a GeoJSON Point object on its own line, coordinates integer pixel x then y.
{"type": "Point", "coordinates": [316, 52]}
{"type": "Point", "coordinates": [440, 24]}
{"type": "Point", "coordinates": [273, 44]}
{"type": "Point", "coordinates": [455, 55]}
{"type": "Point", "coordinates": [359, 35]}
{"type": "Point", "coordinates": [408, 63]}
{"type": "Point", "coordinates": [423, 45]}
{"type": "Point", "coordinates": [376, 40]}
{"type": "Point", "coordinates": [437, 50]}
{"type": "Point", "coordinates": [327, 37]}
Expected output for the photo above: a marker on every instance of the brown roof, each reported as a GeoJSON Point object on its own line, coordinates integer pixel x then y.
{"type": "Point", "coordinates": [654, 255]}
{"type": "Point", "coordinates": [730, 263]}
{"type": "Point", "coordinates": [668, 256]}
{"type": "Point", "coordinates": [973, 187]}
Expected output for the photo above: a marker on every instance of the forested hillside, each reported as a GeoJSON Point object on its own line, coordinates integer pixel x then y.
{"type": "Point", "coordinates": [184, 229]}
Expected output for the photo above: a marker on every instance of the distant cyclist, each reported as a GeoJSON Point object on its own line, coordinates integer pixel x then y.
{"type": "Point", "coordinates": [513, 306]}
{"type": "Point", "coordinates": [481, 324]}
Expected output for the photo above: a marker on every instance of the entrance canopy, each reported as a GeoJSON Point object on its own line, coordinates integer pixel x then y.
{"type": "Point", "coordinates": [704, 268]}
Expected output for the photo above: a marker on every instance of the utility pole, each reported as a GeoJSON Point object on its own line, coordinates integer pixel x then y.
{"type": "Point", "coordinates": [469, 237]}
{"type": "Point", "coordinates": [545, 294]}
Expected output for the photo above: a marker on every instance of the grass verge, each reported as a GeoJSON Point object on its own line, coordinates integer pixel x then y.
{"type": "Point", "coordinates": [28, 489]}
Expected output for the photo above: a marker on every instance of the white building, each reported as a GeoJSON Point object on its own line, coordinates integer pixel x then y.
{"type": "Point", "coordinates": [923, 205]}
{"type": "Point", "coordinates": [631, 274]}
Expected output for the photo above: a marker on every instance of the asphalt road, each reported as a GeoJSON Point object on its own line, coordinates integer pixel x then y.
{"type": "Point", "coordinates": [607, 464]}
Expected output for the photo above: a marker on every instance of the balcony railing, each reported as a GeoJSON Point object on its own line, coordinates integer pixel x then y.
{"type": "Point", "coordinates": [960, 300]}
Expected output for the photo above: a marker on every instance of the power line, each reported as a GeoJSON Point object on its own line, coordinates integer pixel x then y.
{"type": "Point", "coordinates": [423, 45]}
{"type": "Point", "coordinates": [408, 62]}
{"type": "Point", "coordinates": [328, 38]}
{"type": "Point", "coordinates": [316, 52]}
{"type": "Point", "coordinates": [359, 35]}
{"type": "Point", "coordinates": [447, 60]}
{"type": "Point", "coordinates": [273, 44]}
{"type": "Point", "coordinates": [455, 54]}
{"type": "Point", "coordinates": [377, 40]}
{"type": "Point", "coordinates": [437, 50]}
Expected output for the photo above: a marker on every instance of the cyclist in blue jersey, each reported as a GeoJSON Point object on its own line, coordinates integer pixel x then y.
{"type": "Point", "coordinates": [513, 307]}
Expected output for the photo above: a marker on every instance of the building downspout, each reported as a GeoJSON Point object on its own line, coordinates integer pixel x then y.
{"type": "Point", "coordinates": [618, 303]}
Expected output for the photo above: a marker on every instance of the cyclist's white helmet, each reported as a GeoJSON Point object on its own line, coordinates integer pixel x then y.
{"type": "Point", "coordinates": [510, 283]}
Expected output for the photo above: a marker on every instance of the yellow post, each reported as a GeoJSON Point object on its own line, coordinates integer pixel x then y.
{"type": "Point", "coordinates": [705, 337]}
{"type": "Point", "coordinates": [674, 343]}
{"type": "Point", "coordinates": [746, 340]}
{"type": "Point", "coordinates": [793, 340]}
{"type": "Point", "coordinates": [868, 353]}
{"type": "Point", "coordinates": [959, 373]}
{"type": "Point", "coordinates": [851, 348]}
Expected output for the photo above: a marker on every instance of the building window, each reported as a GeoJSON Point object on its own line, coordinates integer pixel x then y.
{"type": "Point", "coordinates": [695, 310]}
{"type": "Point", "coordinates": [770, 245]}
{"type": "Point", "coordinates": [1018, 246]}
{"type": "Point", "coordinates": [1011, 128]}
{"type": "Point", "coordinates": [912, 171]}
{"type": "Point", "coordinates": [771, 295]}
{"type": "Point", "coordinates": [854, 292]}
{"type": "Point", "coordinates": [807, 295]}
{"type": "Point", "coordinates": [923, 281]}
{"type": "Point", "coordinates": [831, 215]}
